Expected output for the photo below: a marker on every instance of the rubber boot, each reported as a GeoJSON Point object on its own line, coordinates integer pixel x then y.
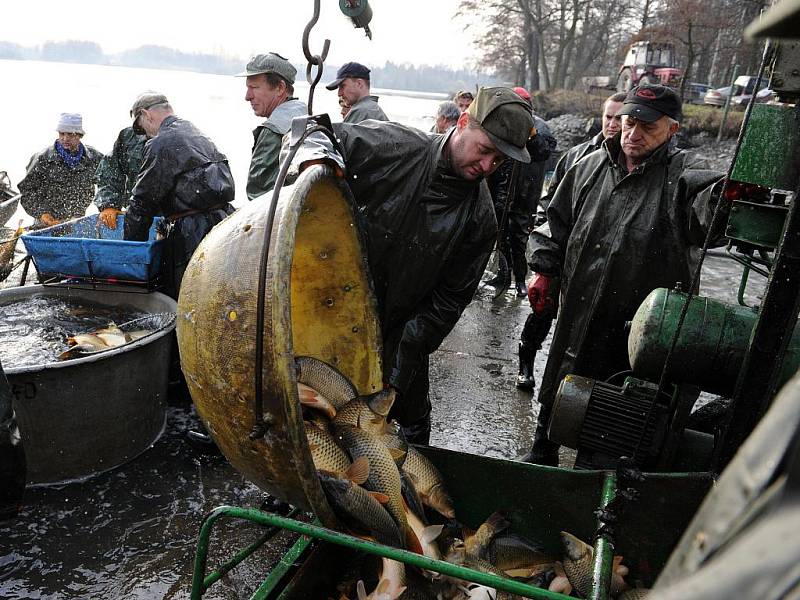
{"type": "Point", "coordinates": [525, 380]}
{"type": "Point", "coordinates": [418, 432]}
{"type": "Point", "coordinates": [522, 289]}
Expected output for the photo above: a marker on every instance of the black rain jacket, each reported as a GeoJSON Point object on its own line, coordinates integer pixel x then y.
{"type": "Point", "coordinates": [185, 178]}
{"type": "Point", "coordinates": [613, 237]}
{"type": "Point", "coordinates": [429, 234]}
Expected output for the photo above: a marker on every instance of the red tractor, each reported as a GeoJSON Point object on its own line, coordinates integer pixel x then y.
{"type": "Point", "coordinates": [649, 62]}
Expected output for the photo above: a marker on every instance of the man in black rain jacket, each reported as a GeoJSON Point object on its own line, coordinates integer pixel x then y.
{"type": "Point", "coordinates": [183, 178]}
{"type": "Point", "coordinates": [430, 227]}
{"type": "Point", "coordinates": [626, 219]}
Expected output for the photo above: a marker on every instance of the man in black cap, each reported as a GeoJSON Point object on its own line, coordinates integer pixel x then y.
{"type": "Point", "coordinates": [430, 227]}
{"type": "Point", "coordinates": [352, 81]}
{"type": "Point", "coordinates": [184, 178]}
{"type": "Point", "coordinates": [626, 219]}
{"type": "Point", "coordinates": [270, 92]}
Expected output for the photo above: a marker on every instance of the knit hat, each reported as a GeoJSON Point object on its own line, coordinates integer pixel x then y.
{"type": "Point", "coordinates": [70, 123]}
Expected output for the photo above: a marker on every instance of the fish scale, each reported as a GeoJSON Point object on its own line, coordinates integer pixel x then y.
{"type": "Point", "coordinates": [325, 379]}
{"type": "Point", "coordinates": [325, 453]}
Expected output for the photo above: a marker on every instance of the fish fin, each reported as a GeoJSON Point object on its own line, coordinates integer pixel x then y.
{"type": "Point", "coordinates": [358, 472]}
{"type": "Point", "coordinates": [400, 591]}
{"type": "Point", "coordinates": [412, 541]}
{"type": "Point", "coordinates": [381, 498]}
{"type": "Point", "coordinates": [431, 532]}
{"type": "Point", "coordinates": [617, 561]}
{"type": "Point", "coordinates": [361, 590]}
{"type": "Point", "coordinates": [319, 403]}
{"type": "Point", "coordinates": [397, 453]}
{"type": "Point", "coordinates": [498, 521]}
{"type": "Point", "coordinates": [383, 586]}
{"type": "Point", "coordinates": [528, 572]}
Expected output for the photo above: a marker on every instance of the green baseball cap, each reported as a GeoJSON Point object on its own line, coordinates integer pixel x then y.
{"type": "Point", "coordinates": [272, 62]}
{"type": "Point", "coordinates": [506, 118]}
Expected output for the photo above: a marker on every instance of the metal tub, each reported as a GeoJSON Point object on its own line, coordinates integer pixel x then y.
{"type": "Point", "coordinates": [85, 416]}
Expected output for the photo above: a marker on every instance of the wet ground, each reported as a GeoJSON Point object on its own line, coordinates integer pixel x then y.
{"type": "Point", "coordinates": [131, 533]}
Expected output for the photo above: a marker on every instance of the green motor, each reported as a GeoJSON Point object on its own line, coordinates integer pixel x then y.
{"type": "Point", "coordinates": [711, 345]}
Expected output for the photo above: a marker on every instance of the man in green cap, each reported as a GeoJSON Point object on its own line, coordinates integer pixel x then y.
{"type": "Point", "coordinates": [430, 226]}
{"type": "Point", "coordinates": [270, 89]}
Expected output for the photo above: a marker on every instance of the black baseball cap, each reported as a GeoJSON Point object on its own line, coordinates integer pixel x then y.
{"type": "Point", "coordinates": [351, 69]}
{"type": "Point", "coordinates": [649, 103]}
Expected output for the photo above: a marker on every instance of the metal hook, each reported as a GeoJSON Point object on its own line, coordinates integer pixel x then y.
{"type": "Point", "coordinates": [314, 59]}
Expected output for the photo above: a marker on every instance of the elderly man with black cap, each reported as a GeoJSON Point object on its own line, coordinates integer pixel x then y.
{"type": "Point", "coordinates": [270, 92]}
{"type": "Point", "coordinates": [184, 178]}
{"type": "Point", "coordinates": [430, 227]}
{"type": "Point", "coordinates": [626, 219]}
{"type": "Point", "coordinates": [59, 183]}
{"type": "Point", "coordinates": [352, 82]}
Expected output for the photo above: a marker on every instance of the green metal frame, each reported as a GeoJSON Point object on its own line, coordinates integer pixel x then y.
{"type": "Point", "coordinates": [601, 577]}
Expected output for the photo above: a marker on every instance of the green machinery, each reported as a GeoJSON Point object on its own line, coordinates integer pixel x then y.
{"type": "Point", "coordinates": [680, 344]}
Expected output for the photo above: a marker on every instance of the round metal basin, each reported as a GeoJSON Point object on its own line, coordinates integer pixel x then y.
{"type": "Point", "coordinates": [81, 417]}
{"type": "Point", "coordinates": [318, 301]}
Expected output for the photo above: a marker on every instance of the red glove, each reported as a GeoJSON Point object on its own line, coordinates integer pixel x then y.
{"type": "Point", "coordinates": [539, 294]}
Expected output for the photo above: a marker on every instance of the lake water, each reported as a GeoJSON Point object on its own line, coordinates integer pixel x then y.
{"type": "Point", "coordinates": [37, 92]}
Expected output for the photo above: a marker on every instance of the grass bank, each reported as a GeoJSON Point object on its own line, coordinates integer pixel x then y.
{"type": "Point", "coordinates": [696, 118]}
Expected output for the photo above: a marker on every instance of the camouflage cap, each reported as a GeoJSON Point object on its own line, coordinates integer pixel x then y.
{"type": "Point", "coordinates": [272, 62]}
{"type": "Point", "coordinates": [506, 118]}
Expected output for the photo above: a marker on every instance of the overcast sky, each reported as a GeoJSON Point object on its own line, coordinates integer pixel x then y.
{"type": "Point", "coordinates": [415, 31]}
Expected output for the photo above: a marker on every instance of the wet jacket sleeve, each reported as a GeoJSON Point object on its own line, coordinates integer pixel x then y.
{"type": "Point", "coordinates": [436, 317]}
{"type": "Point", "coordinates": [703, 188]}
{"type": "Point", "coordinates": [32, 193]}
{"type": "Point", "coordinates": [548, 243]}
{"type": "Point", "coordinates": [264, 164]}
{"type": "Point", "coordinates": [153, 184]}
{"type": "Point", "coordinates": [111, 179]}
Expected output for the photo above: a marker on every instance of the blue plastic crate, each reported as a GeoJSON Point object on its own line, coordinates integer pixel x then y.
{"type": "Point", "coordinates": [88, 249]}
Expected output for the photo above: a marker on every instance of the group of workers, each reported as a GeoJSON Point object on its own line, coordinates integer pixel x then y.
{"type": "Point", "coordinates": [626, 213]}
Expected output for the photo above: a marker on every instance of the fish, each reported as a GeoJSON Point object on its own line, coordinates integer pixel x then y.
{"type": "Point", "coordinates": [360, 510]}
{"type": "Point", "coordinates": [426, 534]}
{"type": "Point", "coordinates": [7, 248]}
{"type": "Point", "coordinates": [578, 565]}
{"type": "Point", "coordinates": [325, 379]}
{"type": "Point", "coordinates": [391, 584]}
{"type": "Point", "coordinates": [518, 557]}
{"type": "Point", "coordinates": [384, 477]}
{"type": "Point", "coordinates": [100, 340]}
{"type": "Point", "coordinates": [428, 482]}
{"type": "Point", "coordinates": [458, 555]}
{"type": "Point", "coordinates": [634, 594]}
{"type": "Point", "coordinates": [560, 583]}
{"type": "Point", "coordinates": [411, 498]}
{"type": "Point", "coordinates": [330, 458]}
{"type": "Point", "coordinates": [393, 438]}
{"type": "Point", "coordinates": [368, 412]}
{"type": "Point", "coordinates": [478, 541]}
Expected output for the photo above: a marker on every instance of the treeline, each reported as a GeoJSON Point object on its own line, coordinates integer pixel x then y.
{"type": "Point", "coordinates": [153, 57]}
{"type": "Point", "coordinates": [552, 44]}
{"type": "Point", "coordinates": [396, 76]}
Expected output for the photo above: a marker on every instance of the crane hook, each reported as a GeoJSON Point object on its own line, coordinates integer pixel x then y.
{"type": "Point", "coordinates": [314, 59]}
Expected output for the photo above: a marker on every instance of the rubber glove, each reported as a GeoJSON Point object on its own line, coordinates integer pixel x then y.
{"type": "Point", "coordinates": [49, 220]}
{"type": "Point", "coordinates": [108, 216]}
{"type": "Point", "coordinates": [539, 294]}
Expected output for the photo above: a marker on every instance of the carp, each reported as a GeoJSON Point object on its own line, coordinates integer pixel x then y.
{"type": "Point", "coordinates": [518, 557]}
{"type": "Point", "coordinates": [476, 542]}
{"type": "Point", "coordinates": [330, 458]}
{"type": "Point", "coordinates": [428, 482]}
{"type": "Point", "coordinates": [368, 412]}
{"type": "Point", "coordinates": [578, 565]}
{"type": "Point", "coordinates": [361, 511]}
{"type": "Point", "coordinates": [384, 476]}
{"type": "Point", "coordinates": [325, 380]}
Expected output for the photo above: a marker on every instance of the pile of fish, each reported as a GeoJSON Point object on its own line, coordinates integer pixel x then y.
{"type": "Point", "coordinates": [379, 487]}
{"type": "Point", "coordinates": [100, 340]}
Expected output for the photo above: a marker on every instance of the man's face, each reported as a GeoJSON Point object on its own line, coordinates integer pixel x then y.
{"type": "Point", "coordinates": [463, 103]}
{"type": "Point", "coordinates": [144, 121]}
{"type": "Point", "coordinates": [70, 141]}
{"type": "Point", "coordinates": [472, 153]}
{"type": "Point", "coordinates": [351, 90]}
{"type": "Point", "coordinates": [639, 139]}
{"type": "Point", "coordinates": [611, 123]}
{"type": "Point", "coordinates": [264, 98]}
